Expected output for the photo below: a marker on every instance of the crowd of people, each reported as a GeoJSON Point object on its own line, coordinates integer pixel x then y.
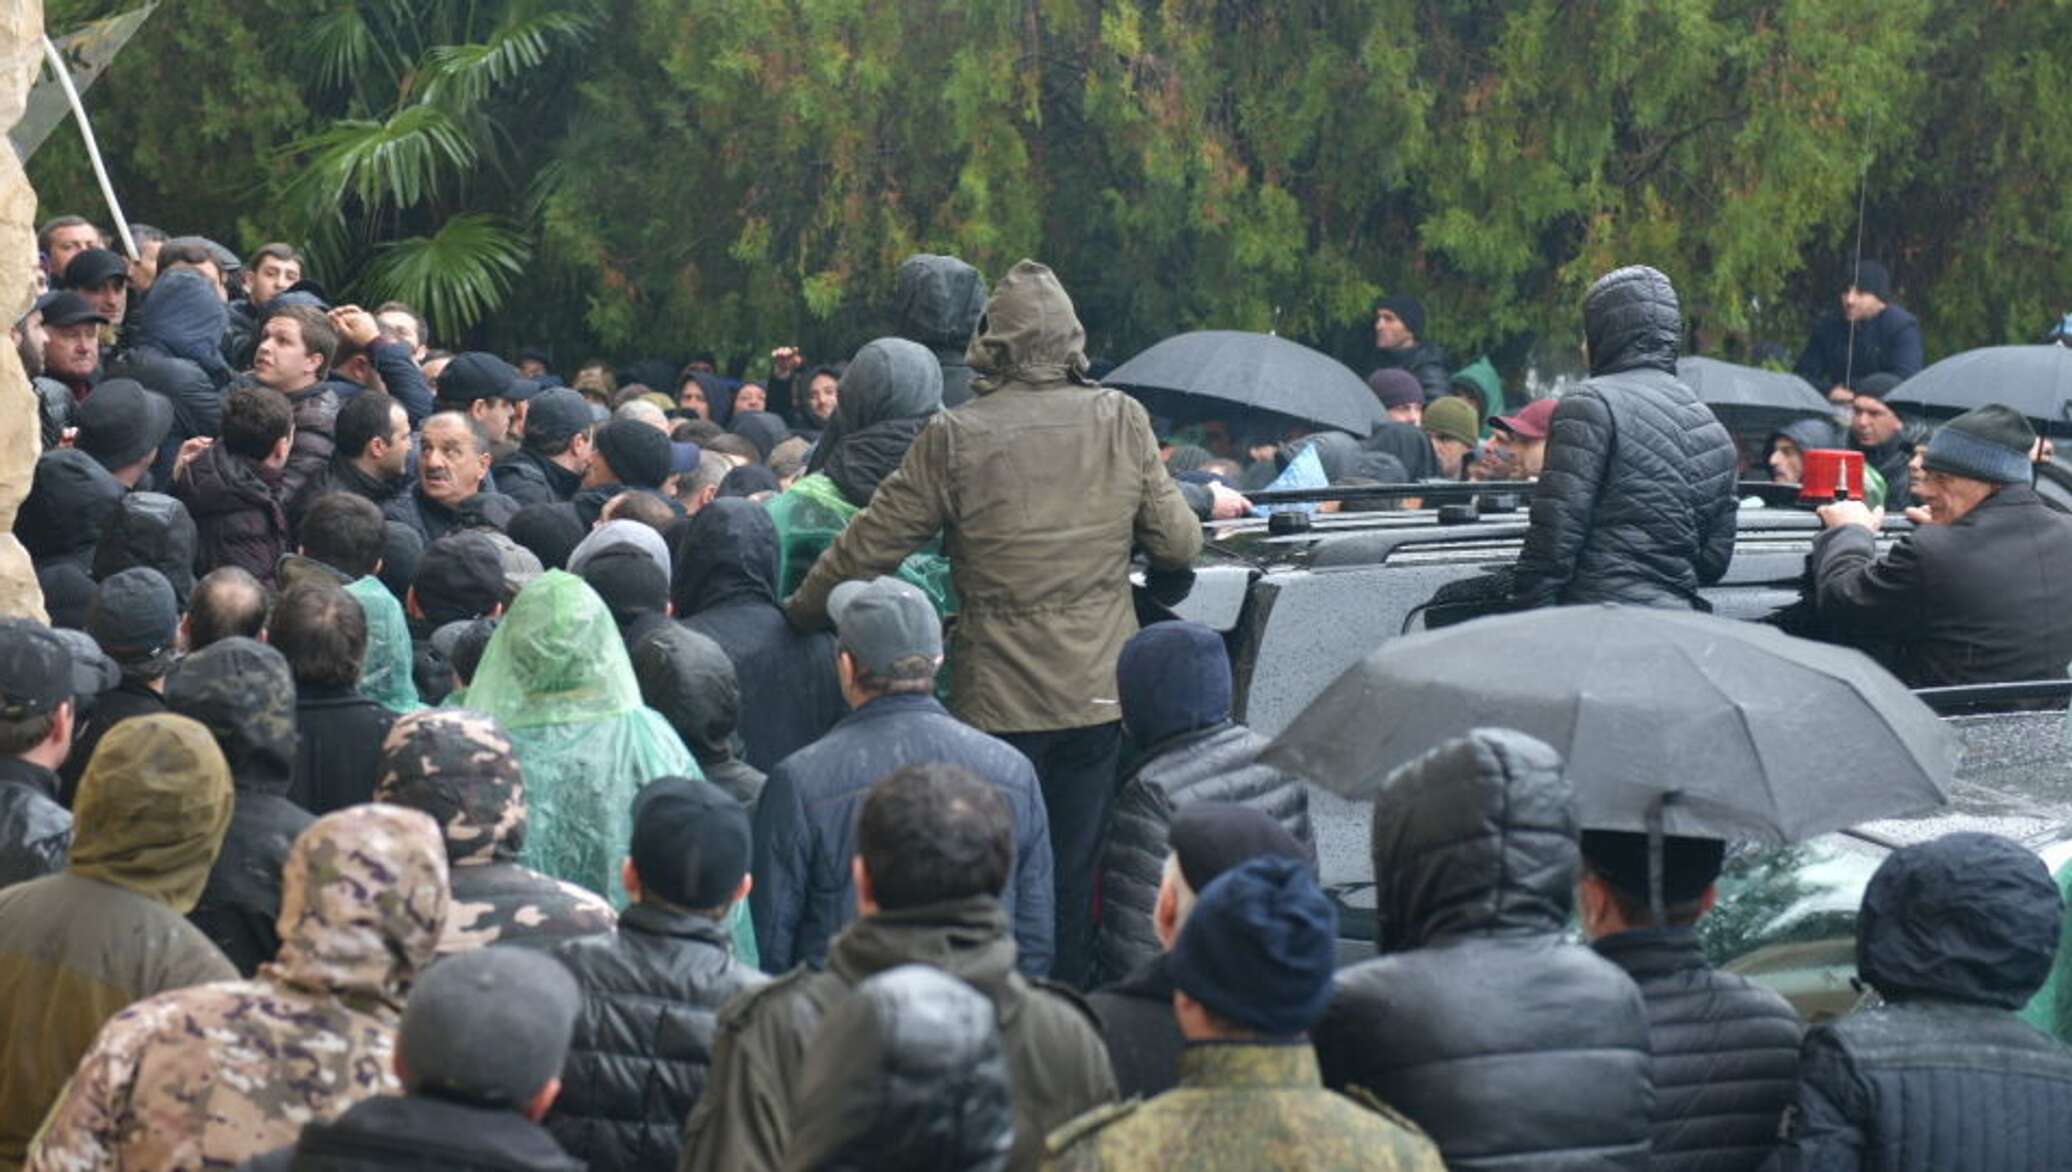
{"type": "Point", "coordinates": [428, 763]}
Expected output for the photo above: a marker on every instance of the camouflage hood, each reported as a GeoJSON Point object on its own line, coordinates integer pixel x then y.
{"type": "Point", "coordinates": [242, 690]}
{"type": "Point", "coordinates": [152, 809]}
{"type": "Point", "coordinates": [458, 767]}
{"type": "Point", "coordinates": [1029, 334]}
{"type": "Point", "coordinates": [363, 902]}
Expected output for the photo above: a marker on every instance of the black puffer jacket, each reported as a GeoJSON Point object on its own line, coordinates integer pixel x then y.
{"type": "Point", "coordinates": [316, 432]}
{"type": "Point", "coordinates": [150, 529]}
{"type": "Point", "coordinates": [1956, 934]}
{"type": "Point", "coordinates": [725, 587]}
{"type": "Point", "coordinates": [1509, 1046]}
{"type": "Point", "coordinates": [236, 505]}
{"type": "Point", "coordinates": [54, 404]}
{"type": "Point", "coordinates": [242, 690]}
{"type": "Point", "coordinates": [1636, 501]}
{"type": "Point", "coordinates": [643, 1043]}
{"type": "Point", "coordinates": [175, 348]}
{"type": "Point", "coordinates": [1726, 1053]}
{"type": "Point", "coordinates": [68, 508]}
{"type": "Point", "coordinates": [1215, 764]}
{"type": "Point", "coordinates": [1426, 362]}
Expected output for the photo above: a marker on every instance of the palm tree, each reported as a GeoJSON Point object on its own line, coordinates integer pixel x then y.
{"type": "Point", "coordinates": [411, 192]}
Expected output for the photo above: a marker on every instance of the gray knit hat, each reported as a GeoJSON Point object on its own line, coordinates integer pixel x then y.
{"type": "Point", "coordinates": [1989, 443]}
{"type": "Point", "coordinates": [489, 1027]}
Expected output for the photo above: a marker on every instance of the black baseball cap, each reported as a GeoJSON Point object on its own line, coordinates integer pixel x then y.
{"type": "Point", "coordinates": [460, 577]}
{"type": "Point", "coordinates": [480, 375]}
{"type": "Point", "coordinates": [1210, 838]}
{"type": "Point", "coordinates": [691, 842]}
{"type": "Point", "coordinates": [70, 309]}
{"type": "Point", "coordinates": [555, 416]}
{"type": "Point", "coordinates": [35, 669]}
{"type": "Point", "coordinates": [91, 269]}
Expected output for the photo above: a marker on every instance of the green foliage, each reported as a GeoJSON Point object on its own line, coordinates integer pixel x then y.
{"type": "Point", "coordinates": [664, 176]}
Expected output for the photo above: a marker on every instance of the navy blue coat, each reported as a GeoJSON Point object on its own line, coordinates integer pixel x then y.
{"type": "Point", "coordinates": [1889, 343]}
{"type": "Point", "coordinates": [805, 827]}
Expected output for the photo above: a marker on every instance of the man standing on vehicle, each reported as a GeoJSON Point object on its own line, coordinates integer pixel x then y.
{"type": "Point", "coordinates": [1041, 486]}
{"type": "Point", "coordinates": [1636, 501]}
{"type": "Point", "coordinates": [1398, 322]}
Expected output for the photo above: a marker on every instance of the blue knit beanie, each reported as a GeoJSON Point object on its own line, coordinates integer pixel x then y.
{"type": "Point", "coordinates": [1259, 948]}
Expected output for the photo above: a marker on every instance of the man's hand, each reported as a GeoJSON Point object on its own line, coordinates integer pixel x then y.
{"type": "Point", "coordinates": [785, 361]}
{"type": "Point", "coordinates": [1229, 504]}
{"type": "Point", "coordinates": [355, 325]}
{"type": "Point", "coordinates": [1920, 515]}
{"type": "Point", "coordinates": [1850, 513]}
{"type": "Point", "coordinates": [188, 451]}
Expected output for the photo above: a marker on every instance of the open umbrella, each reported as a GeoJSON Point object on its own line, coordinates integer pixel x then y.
{"type": "Point", "coordinates": [1749, 396]}
{"type": "Point", "coordinates": [1210, 371]}
{"type": "Point", "coordinates": [1669, 720]}
{"type": "Point", "coordinates": [2034, 380]}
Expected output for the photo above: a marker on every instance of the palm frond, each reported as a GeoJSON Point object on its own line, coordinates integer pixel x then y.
{"type": "Point", "coordinates": [457, 276]}
{"type": "Point", "coordinates": [465, 75]}
{"type": "Point", "coordinates": [399, 163]}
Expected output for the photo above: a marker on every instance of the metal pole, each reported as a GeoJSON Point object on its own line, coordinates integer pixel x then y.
{"type": "Point", "coordinates": [93, 149]}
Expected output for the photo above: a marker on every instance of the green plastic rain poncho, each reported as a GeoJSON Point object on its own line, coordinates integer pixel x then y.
{"type": "Point", "coordinates": [889, 392]}
{"type": "Point", "coordinates": [385, 675]}
{"type": "Point", "coordinates": [2051, 1009]}
{"type": "Point", "coordinates": [557, 677]}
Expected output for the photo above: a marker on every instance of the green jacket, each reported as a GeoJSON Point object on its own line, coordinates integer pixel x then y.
{"type": "Point", "coordinates": [1056, 1061]}
{"type": "Point", "coordinates": [1041, 487]}
{"type": "Point", "coordinates": [78, 947]}
{"type": "Point", "coordinates": [1243, 1107]}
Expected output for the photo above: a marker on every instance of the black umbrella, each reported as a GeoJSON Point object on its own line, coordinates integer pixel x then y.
{"type": "Point", "coordinates": [1212, 370]}
{"type": "Point", "coordinates": [1749, 396]}
{"type": "Point", "coordinates": [2034, 380]}
{"type": "Point", "coordinates": [1669, 720]}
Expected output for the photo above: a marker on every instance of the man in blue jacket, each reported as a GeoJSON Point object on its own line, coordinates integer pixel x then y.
{"type": "Point", "coordinates": [805, 822]}
{"type": "Point", "coordinates": [1886, 339]}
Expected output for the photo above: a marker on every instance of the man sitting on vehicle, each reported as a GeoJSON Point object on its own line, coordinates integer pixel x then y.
{"type": "Point", "coordinates": [1973, 596]}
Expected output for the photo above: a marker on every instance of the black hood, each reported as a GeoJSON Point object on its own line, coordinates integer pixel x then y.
{"type": "Point", "coordinates": [760, 428]}
{"type": "Point", "coordinates": [243, 691]}
{"type": "Point", "coordinates": [889, 379]}
{"type": "Point", "coordinates": [688, 678]}
{"type": "Point", "coordinates": [1410, 446]}
{"type": "Point", "coordinates": [68, 506]}
{"type": "Point", "coordinates": [1967, 917]}
{"type": "Point", "coordinates": [149, 529]}
{"type": "Point", "coordinates": [863, 459]}
{"type": "Point", "coordinates": [1477, 837]}
{"type": "Point", "coordinates": [1633, 322]}
{"type": "Point", "coordinates": [939, 300]}
{"type": "Point", "coordinates": [729, 553]}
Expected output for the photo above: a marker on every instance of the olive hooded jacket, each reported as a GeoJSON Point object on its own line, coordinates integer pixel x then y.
{"type": "Point", "coordinates": [1042, 487]}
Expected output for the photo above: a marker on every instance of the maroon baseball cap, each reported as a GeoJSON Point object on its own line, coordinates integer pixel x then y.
{"type": "Point", "coordinates": [1534, 422]}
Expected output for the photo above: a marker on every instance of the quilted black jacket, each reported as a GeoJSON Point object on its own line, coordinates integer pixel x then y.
{"type": "Point", "coordinates": [1636, 501]}
{"type": "Point", "coordinates": [1509, 1046]}
{"type": "Point", "coordinates": [1726, 1053]}
{"type": "Point", "coordinates": [643, 1043]}
{"type": "Point", "coordinates": [1218, 764]}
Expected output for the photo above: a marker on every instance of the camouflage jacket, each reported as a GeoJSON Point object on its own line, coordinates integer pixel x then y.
{"type": "Point", "coordinates": [1243, 1107]}
{"type": "Point", "coordinates": [458, 766]}
{"type": "Point", "coordinates": [214, 1075]}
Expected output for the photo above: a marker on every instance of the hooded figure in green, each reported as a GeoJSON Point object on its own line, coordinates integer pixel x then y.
{"type": "Point", "coordinates": [556, 676]}
{"type": "Point", "coordinates": [889, 392]}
